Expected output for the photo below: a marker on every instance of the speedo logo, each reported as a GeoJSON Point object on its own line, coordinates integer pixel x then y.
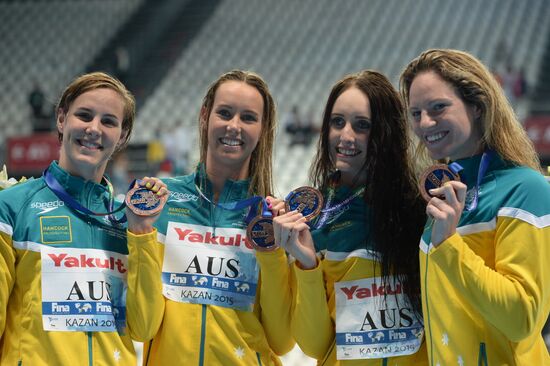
{"type": "Point", "coordinates": [182, 197]}
{"type": "Point", "coordinates": [372, 291]}
{"type": "Point", "coordinates": [47, 206]}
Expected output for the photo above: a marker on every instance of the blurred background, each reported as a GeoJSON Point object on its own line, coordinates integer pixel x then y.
{"type": "Point", "coordinates": [168, 51]}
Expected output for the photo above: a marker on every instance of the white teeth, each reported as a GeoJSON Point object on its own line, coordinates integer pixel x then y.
{"type": "Point", "coordinates": [89, 145]}
{"type": "Point", "coordinates": [230, 142]}
{"type": "Point", "coordinates": [348, 152]}
{"type": "Point", "coordinates": [436, 136]}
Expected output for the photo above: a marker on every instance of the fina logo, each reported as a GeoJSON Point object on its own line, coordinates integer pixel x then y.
{"type": "Point", "coordinates": [182, 197]}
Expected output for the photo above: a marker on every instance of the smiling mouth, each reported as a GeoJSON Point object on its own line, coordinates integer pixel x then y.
{"type": "Point", "coordinates": [348, 152]}
{"type": "Point", "coordinates": [90, 145]}
{"type": "Point", "coordinates": [436, 137]}
{"type": "Point", "coordinates": [230, 141]}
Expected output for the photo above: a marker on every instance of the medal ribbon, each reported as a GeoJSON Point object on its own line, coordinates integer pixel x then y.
{"type": "Point", "coordinates": [339, 207]}
{"type": "Point", "coordinates": [456, 168]}
{"type": "Point", "coordinates": [483, 165]}
{"type": "Point", "coordinates": [251, 202]}
{"type": "Point", "coordinates": [63, 195]}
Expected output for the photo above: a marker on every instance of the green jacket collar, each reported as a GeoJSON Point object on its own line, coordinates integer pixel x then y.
{"type": "Point", "coordinates": [233, 190]}
{"type": "Point", "coordinates": [77, 187]}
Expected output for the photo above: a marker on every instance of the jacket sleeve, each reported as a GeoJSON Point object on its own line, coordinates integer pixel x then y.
{"type": "Point", "coordinates": [144, 300]}
{"type": "Point", "coordinates": [276, 300]}
{"type": "Point", "coordinates": [7, 271]}
{"type": "Point", "coordinates": [518, 283]}
{"type": "Point", "coordinates": [312, 325]}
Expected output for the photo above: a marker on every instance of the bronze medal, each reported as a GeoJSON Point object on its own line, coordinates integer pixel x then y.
{"type": "Point", "coordinates": [260, 233]}
{"type": "Point", "coordinates": [434, 177]}
{"type": "Point", "coordinates": [144, 202]}
{"type": "Point", "coordinates": [306, 200]}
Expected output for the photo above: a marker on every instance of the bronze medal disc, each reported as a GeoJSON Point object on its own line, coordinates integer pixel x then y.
{"type": "Point", "coordinates": [144, 202]}
{"type": "Point", "coordinates": [306, 200]}
{"type": "Point", "coordinates": [434, 177]}
{"type": "Point", "coordinates": [260, 233]}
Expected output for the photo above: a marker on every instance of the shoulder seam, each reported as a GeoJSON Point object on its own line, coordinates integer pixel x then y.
{"type": "Point", "coordinates": [517, 213]}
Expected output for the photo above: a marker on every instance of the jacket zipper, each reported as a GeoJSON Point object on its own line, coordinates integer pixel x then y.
{"type": "Point", "coordinates": [431, 352]}
{"type": "Point", "coordinates": [90, 350]}
{"type": "Point", "coordinates": [482, 357]}
{"type": "Point", "coordinates": [203, 335]}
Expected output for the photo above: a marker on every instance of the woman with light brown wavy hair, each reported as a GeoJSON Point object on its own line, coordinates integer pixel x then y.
{"type": "Point", "coordinates": [484, 255]}
{"type": "Point", "coordinates": [215, 300]}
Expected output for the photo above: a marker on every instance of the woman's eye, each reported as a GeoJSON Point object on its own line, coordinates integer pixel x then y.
{"type": "Point", "coordinates": [337, 122]}
{"type": "Point", "coordinates": [415, 115]}
{"type": "Point", "coordinates": [249, 118]}
{"type": "Point", "coordinates": [364, 124]}
{"type": "Point", "coordinates": [438, 107]}
{"type": "Point", "coordinates": [110, 122]}
{"type": "Point", "coordinates": [84, 116]}
{"type": "Point", "coordinates": [224, 113]}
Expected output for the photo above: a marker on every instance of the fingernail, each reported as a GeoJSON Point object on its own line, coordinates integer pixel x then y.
{"type": "Point", "coordinates": [148, 185]}
{"type": "Point", "coordinates": [155, 189]}
{"type": "Point", "coordinates": [270, 206]}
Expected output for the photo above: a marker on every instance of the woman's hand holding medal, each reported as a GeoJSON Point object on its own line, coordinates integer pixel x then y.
{"type": "Point", "coordinates": [290, 227]}
{"type": "Point", "coordinates": [292, 233]}
{"type": "Point", "coordinates": [445, 208]}
{"type": "Point", "coordinates": [287, 226]}
{"type": "Point", "coordinates": [144, 203]}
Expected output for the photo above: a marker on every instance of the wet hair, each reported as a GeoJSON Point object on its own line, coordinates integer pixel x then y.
{"type": "Point", "coordinates": [391, 190]}
{"type": "Point", "coordinates": [98, 80]}
{"type": "Point", "coordinates": [477, 87]}
{"type": "Point", "coordinates": [261, 180]}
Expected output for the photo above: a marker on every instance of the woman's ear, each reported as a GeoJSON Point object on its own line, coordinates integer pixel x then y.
{"type": "Point", "coordinates": [60, 122]}
{"type": "Point", "coordinates": [122, 139]}
{"type": "Point", "coordinates": [477, 112]}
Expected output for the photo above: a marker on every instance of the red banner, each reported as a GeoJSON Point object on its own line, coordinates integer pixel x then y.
{"type": "Point", "coordinates": [32, 154]}
{"type": "Point", "coordinates": [538, 129]}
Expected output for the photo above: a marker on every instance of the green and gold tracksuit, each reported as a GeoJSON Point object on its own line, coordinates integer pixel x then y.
{"type": "Point", "coordinates": [486, 289]}
{"type": "Point", "coordinates": [196, 314]}
{"type": "Point", "coordinates": [341, 309]}
{"type": "Point", "coordinates": [57, 268]}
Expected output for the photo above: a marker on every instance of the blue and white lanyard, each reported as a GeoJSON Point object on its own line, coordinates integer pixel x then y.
{"type": "Point", "coordinates": [483, 165]}
{"type": "Point", "coordinates": [63, 195]}
{"type": "Point", "coordinates": [336, 210]}
{"type": "Point", "coordinates": [251, 202]}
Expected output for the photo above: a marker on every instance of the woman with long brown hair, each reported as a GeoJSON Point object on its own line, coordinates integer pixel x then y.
{"type": "Point", "coordinates": [357, 290]}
